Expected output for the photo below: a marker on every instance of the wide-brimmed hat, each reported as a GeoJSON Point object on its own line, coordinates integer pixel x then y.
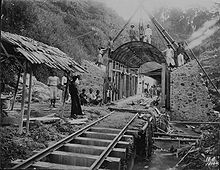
{"type": "Point", "coordinates": [132, 25]}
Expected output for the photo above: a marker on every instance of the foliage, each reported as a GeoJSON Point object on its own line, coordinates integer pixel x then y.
{"type": "Point", "coordinates": [76, 27]}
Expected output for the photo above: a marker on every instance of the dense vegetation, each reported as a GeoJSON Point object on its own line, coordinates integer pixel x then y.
{"type": "Point", "coordinates": [59, 22]}
{"type": "Point", "coordinates": [79, 27]}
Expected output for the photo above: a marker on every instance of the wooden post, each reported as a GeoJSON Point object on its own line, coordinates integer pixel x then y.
{"type": "Point", "coordinates": [116, 82]}
{"type": "Point", "coordinates": [29, 99]}
{"type": "Point", "coordinates": [16, 89]}
{"type": "Point", "coordinates": [167, 89]}
{"type": "Point", "coordinates": [20, 131]}
{"type": "Point", "coordinates": [163, 84]}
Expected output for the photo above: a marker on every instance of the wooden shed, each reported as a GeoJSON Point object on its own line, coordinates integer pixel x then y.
{"type": "Point", "coordinates": [26, 53]}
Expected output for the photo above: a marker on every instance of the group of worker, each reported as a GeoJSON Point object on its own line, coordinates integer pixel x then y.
{"type": "Point", "coordinates": [71, 93]}
{"type": "Point", "coordinates": [154, 90]}
{"type": "Point", "coordinates": [90, 98]}
{"type": "Point", "coordinates": [145, 35]}
{"type": "Point", "coordinates": [175, 59]}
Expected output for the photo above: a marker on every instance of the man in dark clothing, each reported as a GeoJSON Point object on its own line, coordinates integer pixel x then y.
{"type": "Point", "coordinates": [83, 97]}
{"type": "Point", "coordinates": [75, 102]}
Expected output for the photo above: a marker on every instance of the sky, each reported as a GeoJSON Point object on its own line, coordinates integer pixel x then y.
{"type": "Point", "coordinates": [126, 8]}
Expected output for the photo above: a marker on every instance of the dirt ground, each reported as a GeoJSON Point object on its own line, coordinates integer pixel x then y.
{"type": "Point", "coordinates": [42, 135]}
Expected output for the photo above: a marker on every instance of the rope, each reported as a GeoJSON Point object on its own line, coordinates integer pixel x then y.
{"type": "Point", "coordinates": [127, 22]}
{"type": "Point", "coordinates": [157, 32]}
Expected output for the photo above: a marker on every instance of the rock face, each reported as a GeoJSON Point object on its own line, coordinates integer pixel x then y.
{"type": "Point", "coordinates": [189, 96]}
{"type": "Point", "coordinates": [94, 78]}
{"type": "Point", "coordinates": [40, 91]}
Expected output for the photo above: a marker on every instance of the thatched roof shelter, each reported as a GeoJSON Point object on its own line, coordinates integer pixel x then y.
{"type": "Point", "coordinates": [21, 48]}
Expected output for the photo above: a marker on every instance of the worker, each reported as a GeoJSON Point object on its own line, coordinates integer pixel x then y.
{"type": "Point", "coordinates": [148, 34]}
{"type": "Point", "coordinates": [98, 99]}
{"type": "Point", "coordinates": [91, 96]}
{"type": "Point", "coordinates": [180, 55]}
{"type": "Point", "coordinates": [64, 88]}
{"type": "Point", "coordinates": [132, 33]}
{"type": "Point", "coordinates": [169, 56]}
{"type": "Point", "coordinates": [83, 97]}
{"type": "Point", "coordinates": [53, 81]}
{"type": "Point", "coordinates": [141, 33]}
{"type": "Point", "coordinates": [110, 45]}
{"type": "Point", "coordinates": [75, 101]}
{"type": "Point", "coordinates": [100, 56]}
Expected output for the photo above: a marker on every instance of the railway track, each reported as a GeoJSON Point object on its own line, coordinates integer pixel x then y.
{"type": "Point", "coordinates": [90, 148]}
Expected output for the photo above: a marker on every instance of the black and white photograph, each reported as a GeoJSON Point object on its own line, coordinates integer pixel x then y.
{"type": "Point", "coordinates": [110, 84]}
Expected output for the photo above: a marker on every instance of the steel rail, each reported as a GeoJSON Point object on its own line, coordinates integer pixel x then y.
{"type": "Point", "coordinates": [28, 162]}
{"type": "Point", "coordinates": [107, 151]}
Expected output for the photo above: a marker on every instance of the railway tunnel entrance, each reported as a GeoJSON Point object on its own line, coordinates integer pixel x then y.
{"type": "Point", "coordinates": [125, 64]}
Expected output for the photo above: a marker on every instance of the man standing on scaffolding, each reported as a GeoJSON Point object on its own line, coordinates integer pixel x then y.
{"type": "Point", "coordinates": [132, 33]}
{"type": "Point", "coordinates": [148, 34]}
{"type": "Point", "coordinates": [169, 56]}
{"type": "Point", "coordinates": [141, 33]}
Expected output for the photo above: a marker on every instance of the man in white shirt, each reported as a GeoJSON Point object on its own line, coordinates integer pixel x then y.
{"type": "Point", "coordinates": [53, 81]}
{"type": "Point", "coordinates": [169, 56]}
{"type": "Point", "coordinates": [148, 34]}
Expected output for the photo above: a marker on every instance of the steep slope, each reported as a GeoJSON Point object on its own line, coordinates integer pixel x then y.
{"type": "Point", "coordinates": [182, 23]}
{"type": "Point", "coordinates": [76, 27]}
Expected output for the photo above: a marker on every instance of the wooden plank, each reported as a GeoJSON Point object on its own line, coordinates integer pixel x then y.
{"type": "Point", "coordinates": [174, 140]}
{"type": "Point", "coordinates": [43, 119]}
{"type": "Point", "coordinates": [20, 131]}
{"type": "Point", "coordinates": [49, 165]}
{"type": "Point", "coordinates": [195, 123]}
{"type": "Point", "coordinates": [167, 89]}
{"type": "Point", "coordinates": [175, 135]}
{"type": "Point", "coordinates": [128, 110]}
{"type": "Point", "coordinates": [98, 142]}
{"type": "Point", "coordinates": [93, 150]}
{"type": "Point", "coordinates": [70, 158]}
{"type": "Point", "coordinates": [29, 100]}
{"type": "Point", "coordinates": [163, 84]}
{"type": "Point", "coordinates": [16, 89]}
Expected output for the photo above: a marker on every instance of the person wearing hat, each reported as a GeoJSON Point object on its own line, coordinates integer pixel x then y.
{"type": "Point", "coordinates": [53, 81]}
{"type": "Point", "coordinates": [132, 33]}
{"type": "Point", "coordinates": [148, 34]}
{"type": "Point", "coordinates": [75, 101]}
{"type": "Point", "coordinates": [169, 53]}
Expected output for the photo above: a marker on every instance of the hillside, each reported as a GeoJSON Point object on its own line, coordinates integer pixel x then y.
{"type": "Point", "coordinates": [181, 24]}
{"type": "Point", "coordinates": [77, 27]}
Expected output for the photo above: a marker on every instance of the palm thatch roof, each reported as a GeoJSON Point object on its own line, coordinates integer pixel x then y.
{"type": "Point", "coordinates": [38, 53]}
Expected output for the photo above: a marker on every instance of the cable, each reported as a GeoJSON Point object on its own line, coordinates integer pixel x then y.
{"type": "Point", "coordinates": [128, 21]}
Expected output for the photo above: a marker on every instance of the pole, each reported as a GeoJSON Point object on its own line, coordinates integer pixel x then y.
{"type": "Point", "coordinates": [204, 71]}
{"type": "Point", "coordinates": [1, 119]}
{"type": "Point", "coordinates": [128, 21]}
{"type": "Point", "coordinates": [29, 100]}
{"type": "Point", "coordinates": [23, 100]}
{"type": "Point", "coordinates": [16, 89]}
